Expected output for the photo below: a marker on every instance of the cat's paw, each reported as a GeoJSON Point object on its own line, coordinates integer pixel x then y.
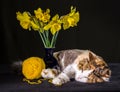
{"type": "Point", "coordinates": [60, 79]}
{"type": "Point", "coordinates": [49, 73]}
{"type": "Point", "coordinates": [57, 81]}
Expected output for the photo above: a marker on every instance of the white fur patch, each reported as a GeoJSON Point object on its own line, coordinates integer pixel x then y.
{"type": "Point", "coordinates": [105, 79]}
{"type": "Point", "coordinates": [81, 76]}
{"type": "Point", "coordinates": [49, 73]}
{"type": "Point", "coordinates": [69, 71]}
{"type": "Point", "coordinates": [60, 79]}
{"type": "Point", "coordinates": [62, 62]}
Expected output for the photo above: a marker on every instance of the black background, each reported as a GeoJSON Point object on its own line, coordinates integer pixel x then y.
{"type": "Point", "coordinates": [98, 29]}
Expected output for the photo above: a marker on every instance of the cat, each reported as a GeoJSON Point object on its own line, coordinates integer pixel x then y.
{"type": "Point", "coordinates": [80, 65]}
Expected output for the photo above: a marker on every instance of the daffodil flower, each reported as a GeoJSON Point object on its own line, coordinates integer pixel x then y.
{"type": "Point", "coordinates": [43, 16]}
{"type": "Point", "coordinates": [24, 19]}
{"type": "Point", "coordinates": [38, 13]}
{"type": "Point", "coordinates": [34, 26]}
{"type": "Point", "coordinates": [45, 26]}
{"type": "Point", "coordinates": [54, 25]}
{"type": "Point", "coordinates": [71, 19]}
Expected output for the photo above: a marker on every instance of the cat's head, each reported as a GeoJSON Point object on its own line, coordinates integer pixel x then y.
{"type": "Point", "coordinates": [101, 68]}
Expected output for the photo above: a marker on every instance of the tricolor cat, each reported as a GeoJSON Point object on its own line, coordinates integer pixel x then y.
{"type": "Point", "coordinates": [82, 65]}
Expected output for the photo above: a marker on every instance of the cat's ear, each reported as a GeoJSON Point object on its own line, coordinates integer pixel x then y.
{"type": "Point", "coordinates": [56, 55]}
{"type": "Point", "coordinates": [91, 56]}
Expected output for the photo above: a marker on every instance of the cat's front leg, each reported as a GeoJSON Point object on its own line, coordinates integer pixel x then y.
{"type": "Point", "coordinates": [60, 79]}
{"type": "Point", "coordinates": [82, 75]}
{"type": "Point", "coordinates": [64, 76]}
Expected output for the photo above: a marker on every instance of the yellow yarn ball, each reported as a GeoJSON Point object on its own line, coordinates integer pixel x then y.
{"type": "Point", "coordinates": [32, 67]}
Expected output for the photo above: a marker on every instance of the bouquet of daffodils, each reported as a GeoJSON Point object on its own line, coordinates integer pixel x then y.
{"type": "Point", "coordinates": [48, 27]}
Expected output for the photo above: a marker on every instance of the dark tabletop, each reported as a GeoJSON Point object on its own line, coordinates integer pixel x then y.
{"type": "Point", "coordinates": [11, 82]}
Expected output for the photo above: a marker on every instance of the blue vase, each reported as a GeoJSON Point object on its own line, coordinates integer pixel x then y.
{"type": "Point", "coordinates": [49, 59]}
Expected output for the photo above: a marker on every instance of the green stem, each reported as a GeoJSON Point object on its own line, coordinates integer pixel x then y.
{"type": "Point", "coordinates": [47, 34]}
{"type": "Point", "coordinates": [47, 38]}
{"type": "Point", "coordinates": [46, 41]}
{"type": "Point", "coordinates": [42, 38]}
{"type": "Point", "coordinates": [54, 39]}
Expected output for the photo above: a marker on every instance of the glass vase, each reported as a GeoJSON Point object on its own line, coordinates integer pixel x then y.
{"type": "Point", "coordinates": [49, 59]}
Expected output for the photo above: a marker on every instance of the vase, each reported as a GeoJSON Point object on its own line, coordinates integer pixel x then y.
{"type": "Point", "coordinates": [49, 59]}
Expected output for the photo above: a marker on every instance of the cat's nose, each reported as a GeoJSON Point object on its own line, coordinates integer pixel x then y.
{"type": "Point", "coordinates": [108, 73]}
{"type": "Point", "coordinates": [105, 72]}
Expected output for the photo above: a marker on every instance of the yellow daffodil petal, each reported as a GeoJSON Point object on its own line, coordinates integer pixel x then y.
{"type": "Point", "coordinates": [71, 22]}
{"type": "Point", "coordinates": [73, 10]}
{"type": "Point", "coordinates": [46, 16]}
{"type": "Point", "coordinates": [38, 13]}
{"type": "Point", "coordinates": [43, 16]}
{"type": "Point", "coordinates": [19, 16]}
{"type": "Point", "coordinates": [34, 26]}
{"type": "Point", "coordinates": [66, 25]}
{"type": "Point", "coordinates": [56, 17]}
{"type": "Point", "coordinates": [25, 24]}
{"type": "Point", "coordinates": [55, 27]}
{"type": "Point", "coordinates": [47, 27]}
{"type": "Point", "coordinates": [24, 19]}
{"type": "Point", "coordinates": [64, 20]}
{"type": "Point", "coordinates": [26, 16]}
{"type": "Point", "coordinates": [71, 19]}
{"type": "Point", "coordinates": [76, 17]}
